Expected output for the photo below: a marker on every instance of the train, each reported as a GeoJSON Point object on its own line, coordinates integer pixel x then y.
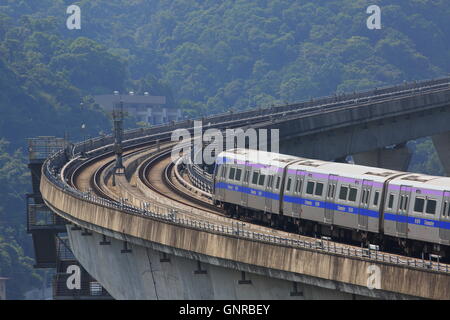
{"type": "Point", "coordinates": [409, 212]}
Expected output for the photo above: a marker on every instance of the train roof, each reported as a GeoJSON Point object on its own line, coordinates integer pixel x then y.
{"type": "Point", "coordinates": [353, 171]}
{"type": "Point", "coordinates": [423, 181]}
{"type": "Point", "coordinates": [260, 157]}
{"type": "Point", "coordinates": [347, 170]}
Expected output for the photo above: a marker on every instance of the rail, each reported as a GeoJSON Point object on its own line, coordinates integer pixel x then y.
{"type": "Point", "coordinates": [194, 188]}
{"type": "Point", "coordinates": [201, 179]}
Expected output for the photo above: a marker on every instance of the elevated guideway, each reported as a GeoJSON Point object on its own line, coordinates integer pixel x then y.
{"type": "Point", "coordinates": [150, 246]}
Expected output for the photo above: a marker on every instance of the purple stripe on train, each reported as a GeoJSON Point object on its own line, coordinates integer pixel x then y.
{"type": "Point", "coordinates": [417, 190]}
{"type": "Point", "coordinates": [338, 178]}
{"type": "Point", "coordinates": [373, 184]}
{"type": "Point", "coordinates": [255, 165]}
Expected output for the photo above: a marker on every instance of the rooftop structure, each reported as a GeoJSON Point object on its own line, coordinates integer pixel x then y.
{"type": "Point", "coordinates": [149, 109]}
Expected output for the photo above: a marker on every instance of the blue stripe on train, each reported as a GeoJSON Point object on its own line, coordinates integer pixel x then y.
{"type": "Point", "coordinates": [332, 206]}
{"type": "Point", "coordinates": [253, 192]}
{"type": "Point", "coordinates": [417, 221]}
{"type": "Point", "coordinates": [337, 207]}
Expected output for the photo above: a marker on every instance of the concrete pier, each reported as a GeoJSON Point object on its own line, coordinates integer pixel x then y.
{"type": "Point", "coordinates": [442, 145]}
{"type": "Point", "coordinates": [397, 158]}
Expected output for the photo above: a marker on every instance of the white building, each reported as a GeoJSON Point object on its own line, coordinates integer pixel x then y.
{"type": "Point", "coordinates": [149, 109]}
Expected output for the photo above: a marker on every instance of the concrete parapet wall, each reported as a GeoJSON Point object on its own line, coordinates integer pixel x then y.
{"type": "Point", "coordinates": [278, 258]}
{"type": "Point", "coordinates": [144, 273]}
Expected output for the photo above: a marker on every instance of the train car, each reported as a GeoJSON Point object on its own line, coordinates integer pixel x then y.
{"type": "Point", "coordinates": [417, 208]}
{"type": "Point", "coordinates": [336, 194]}
{"type": "Point", "coordinates": [250, 179]}
{"type": "Point", "coordinates": [348, 201]}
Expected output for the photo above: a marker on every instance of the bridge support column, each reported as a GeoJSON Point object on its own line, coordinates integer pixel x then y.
{"type": "Point", "coordinates": [396, 158]}
{"type": "Point", "coordinates": [442, 145]}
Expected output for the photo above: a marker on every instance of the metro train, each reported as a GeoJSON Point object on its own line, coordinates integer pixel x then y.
{"type": "Point", "coordinates": [372, 206]}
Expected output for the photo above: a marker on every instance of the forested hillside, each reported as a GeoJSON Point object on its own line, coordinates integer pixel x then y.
{"type": "Point", "coordinates": [206, 56]}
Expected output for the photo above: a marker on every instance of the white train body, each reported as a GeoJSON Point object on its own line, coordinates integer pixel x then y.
{"type": "Point", "coordinates": [360, 198]}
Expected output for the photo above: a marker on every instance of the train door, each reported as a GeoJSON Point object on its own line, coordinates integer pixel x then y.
{"type": "Point", "coordinates": [268, 192]}
{"type": "Point", "coordinates": [245, 189]}
{"type": "Point", "coordinates": [297, 206]}
{"type": "Point", "coordinates": [329, 199]}
{"type": "Point", "coordinates": [220, 181]}
{"type": "Point", "coordinates": [444, 234]}
{"type": "Point", "coordinates": [363, 218]}
{"type": "Point", "coordinates": [402, 212]}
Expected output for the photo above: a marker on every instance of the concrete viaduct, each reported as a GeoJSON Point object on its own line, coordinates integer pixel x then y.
{"type": "Point", "coordinates": [136, 253]}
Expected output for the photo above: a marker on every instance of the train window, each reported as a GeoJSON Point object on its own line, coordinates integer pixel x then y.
{"type": "Point", "coordinates": [269, 182]}
{"type": "Point", "coordinates": [431, 206]}
{"type": "Point", "coordinates": [391, 201]}
{"type": "Point", "coordinates": [232, 172]}
{"type": "Point", "coordinates": [401, 202]}
{"type": "Point", "coordinates": [224, 175]}
{"type": "Point", "coordinates": [262, 178]}
{"type": "Point", "coordinates": [278, 183]}
{"type": "Point", "coordinates": [255, 178]}
{"type": "Point", "coordinates": [352, 194]}
{"type": "Point", "coordinates": [367, 197]}
{"type": "Point", "coordinates": [445, 211]}
{"type": "Point", "coordinates": [238, 174]}
{"type": "Point", "coordinates": [310, 187]}
{"type": "Point", "coordinates": [296, 185]}
{"type": "Point", "coordinates": [405, 204]}
{"type": "Point", "coordinates": [319, 189]}
{"type": "Point", "coordinates": [419, 204]}
{"type": "Point", "coordinates": [246, 175]}
{"type": "Point", "coordinates": [376, 198]}
{"type": "Point", "coordinates": [343, 193]}
{"type": "Point", "coordinates": [333, 189]}
{"type": "Point", "coordinates": [288, 187]}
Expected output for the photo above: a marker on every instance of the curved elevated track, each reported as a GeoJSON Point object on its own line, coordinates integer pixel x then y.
{"type": "Point", "coordinates": [157, 202]}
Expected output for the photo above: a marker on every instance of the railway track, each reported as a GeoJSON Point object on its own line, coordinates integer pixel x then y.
{"type": "Point", "coordinates": [95, 166]}
{"type": "Point", "coordinates": [156, 174]}
{"type": "Point", "coordinates": [161, 167]}
{"type": "Point", "coordinates": [159, 177]}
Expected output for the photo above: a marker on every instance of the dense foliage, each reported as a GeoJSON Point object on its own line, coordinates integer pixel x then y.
{"type": "Point", "coordinates": [206, 56]}
{"type": "Point", "coordinates": [14, 263]}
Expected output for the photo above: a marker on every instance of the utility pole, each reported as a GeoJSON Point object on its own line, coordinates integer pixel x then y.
{"type": "Point", "coordinates": [118, 116]}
